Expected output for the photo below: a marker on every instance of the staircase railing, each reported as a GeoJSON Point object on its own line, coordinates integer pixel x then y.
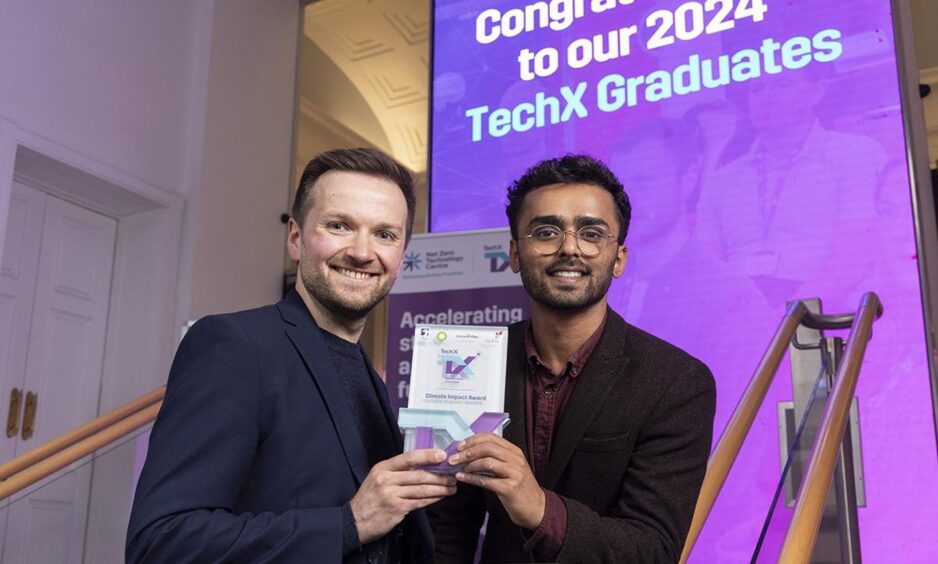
{"type": "Point", "coordinates": [809, 506]}
{"type": "Point", "coordinates": [53, 456]}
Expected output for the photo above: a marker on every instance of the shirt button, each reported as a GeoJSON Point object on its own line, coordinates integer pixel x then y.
{"type": "Point", "coordinates": [541, 448]}
{"type": "Point", "coordinates": [549, 390]}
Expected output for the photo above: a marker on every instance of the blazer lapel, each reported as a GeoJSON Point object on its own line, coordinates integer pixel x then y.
{"type": "Point", "coordinates": [385, 404]}
{"type": "Point", "coordinates": [515, 382]}
{"type": "Point", "coordinates": [606, 367]}
{"type": "Point", "coordinates": [306, 337]}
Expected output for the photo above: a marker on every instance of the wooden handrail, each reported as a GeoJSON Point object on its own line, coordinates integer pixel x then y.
{"type": "Point", "coordinates": [812, 496]}
{"type": "Point", "coordinates": [727, 449]}
{"type": "Point", "coordinates": [68, 439]}
{"type": "Point", "coordinates": [77, 451]}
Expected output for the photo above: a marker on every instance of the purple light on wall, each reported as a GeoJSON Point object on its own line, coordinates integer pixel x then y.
{"type": "Point", "coordinates": [765, 162]}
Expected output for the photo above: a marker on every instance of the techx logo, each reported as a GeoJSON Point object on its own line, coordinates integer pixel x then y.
{"type": "Point", "coordinates": [455, 367]}
{"type": "Point", "coordinates": [498, 261]}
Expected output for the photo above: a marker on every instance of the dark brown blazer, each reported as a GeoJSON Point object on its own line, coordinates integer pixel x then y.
{"type": "Point", "coordinates": [628, 460]}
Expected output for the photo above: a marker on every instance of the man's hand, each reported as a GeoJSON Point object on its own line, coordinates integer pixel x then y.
{"type": "Point", "coordinates": [393, 488]}
{"type": "Point", "coordinates": [509, 476]}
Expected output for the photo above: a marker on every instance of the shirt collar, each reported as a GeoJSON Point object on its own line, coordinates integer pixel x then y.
{"type": "Point", "coordinates": [576, 361]}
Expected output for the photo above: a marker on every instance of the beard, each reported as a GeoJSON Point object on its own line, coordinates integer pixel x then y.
{"type": "Point", "coordinates": [342, 302]}
{"type": "Point", "coordinates": [537, 285]}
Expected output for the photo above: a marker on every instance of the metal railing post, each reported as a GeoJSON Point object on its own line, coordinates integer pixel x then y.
{"type": "Point", "coordinates": [812, 496]}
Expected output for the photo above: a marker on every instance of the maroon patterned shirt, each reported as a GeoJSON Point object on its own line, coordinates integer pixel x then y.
{"type": "Point", "coordinates": [547, 395]}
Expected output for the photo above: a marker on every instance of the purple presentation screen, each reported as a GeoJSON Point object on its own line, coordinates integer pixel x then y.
{"type": "Point", "coordinates": [761, 144]}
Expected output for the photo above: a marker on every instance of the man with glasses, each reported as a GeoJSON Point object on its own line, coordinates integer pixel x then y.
{"type": "Point", "coordinates": [611, 426]}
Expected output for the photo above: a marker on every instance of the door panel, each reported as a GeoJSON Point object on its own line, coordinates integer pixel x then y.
{"type": "Point", "coordinates": [69, 318]}
{"type": "Point", "coordinates": [44, 522]}
{"type": "Point", "coordinates": [18, 268]}
{"type": "Point", "coordinates": [63, 367]}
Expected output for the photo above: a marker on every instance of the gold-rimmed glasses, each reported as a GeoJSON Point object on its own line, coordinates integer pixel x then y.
{"type": "Point", "coordinates": [590, 239]}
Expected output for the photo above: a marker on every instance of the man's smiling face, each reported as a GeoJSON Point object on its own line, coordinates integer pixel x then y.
{"type": "Point", "coordinates": [567, 279]}
{"type": "Point", "coordinates": [352, 241]}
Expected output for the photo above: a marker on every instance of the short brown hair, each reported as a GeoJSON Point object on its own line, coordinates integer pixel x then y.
{"type": "Point", "coordinates": [362, 160]}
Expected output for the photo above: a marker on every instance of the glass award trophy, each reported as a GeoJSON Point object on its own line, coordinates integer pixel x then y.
{"type": "Point", "coordinates": [457, 387]}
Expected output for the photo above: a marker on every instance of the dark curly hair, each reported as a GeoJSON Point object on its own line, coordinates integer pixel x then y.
{"type": "Point", "coordinates": [569, 169]}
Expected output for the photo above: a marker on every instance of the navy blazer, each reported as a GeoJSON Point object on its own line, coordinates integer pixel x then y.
{"type": "Point", "coordinates": [256, 450]}
{"type": "Point", "coordinates": [628, 459]}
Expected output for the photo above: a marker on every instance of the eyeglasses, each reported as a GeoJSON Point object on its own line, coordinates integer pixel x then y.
{"type": "Point", "coordinates": [590, 239]}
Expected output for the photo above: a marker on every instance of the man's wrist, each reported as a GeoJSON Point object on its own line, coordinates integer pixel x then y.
{"type": "Point", "coordinates": [547, 538]}
{"type": "Point", "coordinates": [537, 516]}
{"type": "Point", "coordinates": [350, 541]}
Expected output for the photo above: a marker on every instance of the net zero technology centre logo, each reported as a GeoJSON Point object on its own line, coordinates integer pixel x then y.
{"type": "Point", "coordinates": [412, 261]}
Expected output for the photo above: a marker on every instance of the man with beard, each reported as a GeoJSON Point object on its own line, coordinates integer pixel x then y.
{"type": "Point", "coordinates": [276, 442]}
{"type": "Point", "coordinates": [611, 426]}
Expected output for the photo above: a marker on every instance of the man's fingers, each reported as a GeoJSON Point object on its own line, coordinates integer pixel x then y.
{"type": "Point", "coordinates": [414, 458]}
{"type": "Point", "coordinates": [481, 450]}
{"type": "Point", "coordinates": [425, 491]}
{"type": "Point", "coordinates": [421, 477]}
{"type": "Point", "coordinates": [384, 478]}
{"type": "Point", "coordinates": [487, 465]}
{"type": "Point", "coordinates": [481, 439]}
{"type": "Point", "coordinates": [489, 439]}
{"type": "Point", "coordinates": [487, 482]}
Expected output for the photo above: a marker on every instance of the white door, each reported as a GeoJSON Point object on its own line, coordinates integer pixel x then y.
{"type": "Point", "coordinates": [18, 267]}
{"type": "Point", "coordinates": [64, 352]}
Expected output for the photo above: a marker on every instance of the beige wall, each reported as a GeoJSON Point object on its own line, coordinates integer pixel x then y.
{"type": "Point", "coordinates": [190, 103]}
{"type": "Point", "coordinates": [192, 97]}
{"type": "Point", "coordinates": [930, 109]}
{"type": "Point", "coordinates": [104, 78]}
{"type": "Point", "coordinates": [237, 238]}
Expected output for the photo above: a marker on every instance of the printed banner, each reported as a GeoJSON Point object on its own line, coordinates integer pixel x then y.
{"type": "Point", "coordinates": [449, 279]}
